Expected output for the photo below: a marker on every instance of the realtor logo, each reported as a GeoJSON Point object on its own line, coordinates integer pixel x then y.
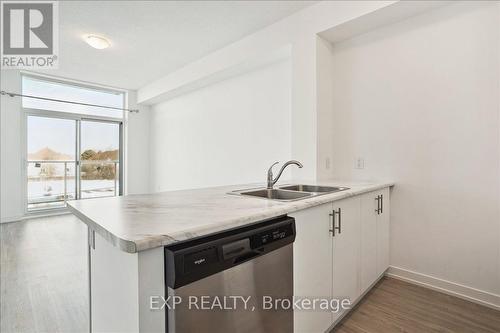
{"type": "Point", "coordinates": [29, 34]}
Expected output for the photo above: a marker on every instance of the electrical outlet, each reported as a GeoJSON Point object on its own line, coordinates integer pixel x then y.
{"type": "Point", "coordinates": [327, 163]}
{"type": "Point", "coordinates": [360, 163]}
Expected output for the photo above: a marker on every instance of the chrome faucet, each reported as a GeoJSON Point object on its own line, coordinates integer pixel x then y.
{"type": "Point", "coordinates": [270, 180]}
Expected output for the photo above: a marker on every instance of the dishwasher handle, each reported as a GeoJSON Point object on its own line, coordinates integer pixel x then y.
{"type": "Point", "coordinates": [247, 256]}
{"type": "Point", "coordinates": [236, 249]}
{"type": "Point", "coordinates": [239, 251]}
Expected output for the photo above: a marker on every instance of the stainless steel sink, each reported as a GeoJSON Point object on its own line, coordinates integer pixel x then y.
{"type": "Point", "coordinates": [287, 192]}
{"type": "Point", "coordinates": [276, 194]}
{"type": "Point", "coordinates": [290, 192]}
{"type": "Point", "coordinates": [313, 188]}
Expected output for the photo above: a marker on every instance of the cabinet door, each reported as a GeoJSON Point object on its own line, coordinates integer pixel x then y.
{"type": "Point", "coordinates": [346, 248]}
{"type": "Point", "coordinates": [383, 231]}
{"type": "Point", "coordinates": [312, 260]}
{"type": "Point", "coordinates": [369, 245]}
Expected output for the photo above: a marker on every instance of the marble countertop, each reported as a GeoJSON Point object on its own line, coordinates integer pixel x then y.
{"type": "Point", "coordinates": [139, 222]}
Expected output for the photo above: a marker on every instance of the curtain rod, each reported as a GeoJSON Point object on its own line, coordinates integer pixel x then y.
{"type": "Point", "coordinates": [64, 101]}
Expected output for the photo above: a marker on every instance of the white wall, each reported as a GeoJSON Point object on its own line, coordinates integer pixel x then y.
{"type": "Point", "coordinates": [225, 133]}
{"type": "Point", "coordinates": [419, 101]}
{"type": "Point", "coordinates": [12, 184]}
{"type": "Point", "coordinates": [298, 30]}
{"type": "Point", "coordinates": [324, 105]}
{"type": "Point", "coordinates": [137, 147]}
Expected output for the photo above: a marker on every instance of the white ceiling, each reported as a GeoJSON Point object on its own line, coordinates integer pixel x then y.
{"type": "Point", "coordinates": [153, 38]}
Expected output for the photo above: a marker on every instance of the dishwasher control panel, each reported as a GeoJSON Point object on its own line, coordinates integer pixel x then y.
{"type": "Point", "coordinates": [272, 235]}
{"type": "Point", "coordinates": [189, 261]}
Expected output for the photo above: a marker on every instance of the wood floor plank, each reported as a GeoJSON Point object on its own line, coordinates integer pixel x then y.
{"type": "Point", "coordinates": [43, 276]}
{"type": "Point", "coordinates": [397, 306]}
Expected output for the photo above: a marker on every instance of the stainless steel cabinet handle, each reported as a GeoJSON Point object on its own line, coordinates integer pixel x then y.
{"type": "Point", "coordinates": [378, 204]}
{"type": "Point", "coordinates": [340, 221]}
{"type": "Point", "coordinates": [381, 204]}
{"type": "Point", "coordinates": [91, 236]}
{"type": "Point", "coordinates": [332, 228]}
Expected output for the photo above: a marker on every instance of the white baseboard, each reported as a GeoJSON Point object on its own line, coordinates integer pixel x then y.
{"type": "Point", "coordinates": [471, 294]}
{"type": "Point", "coordinates": [9, 219]}
{"type": "Point", "coordinates": [34, 215]}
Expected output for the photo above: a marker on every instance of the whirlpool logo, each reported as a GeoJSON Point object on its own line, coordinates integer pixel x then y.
{"type": "Point", "coordinates": [29, 34]}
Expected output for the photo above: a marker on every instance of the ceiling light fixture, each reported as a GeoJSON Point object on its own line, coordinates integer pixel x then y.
{"type": "Point", "coordinates": [97, 42]}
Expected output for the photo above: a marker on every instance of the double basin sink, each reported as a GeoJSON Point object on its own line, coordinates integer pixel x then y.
{"type": "Point", "coordinates": [290, 192]}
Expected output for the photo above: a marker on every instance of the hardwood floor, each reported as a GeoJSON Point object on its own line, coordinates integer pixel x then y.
{"type": "Point", "coordinates": [397, 306]}
{"type": "Point", "coordinates": [43, 280]}
{"type": "Point", "coordinates": [43, 275]}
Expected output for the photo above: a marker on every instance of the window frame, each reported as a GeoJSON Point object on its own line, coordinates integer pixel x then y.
{"type": "Point", "coordinates": [77, 117]}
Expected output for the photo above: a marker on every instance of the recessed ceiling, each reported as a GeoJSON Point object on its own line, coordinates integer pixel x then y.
{"type": "Point", "coordinates": [150, 39]}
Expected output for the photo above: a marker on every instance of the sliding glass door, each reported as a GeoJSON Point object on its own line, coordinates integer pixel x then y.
{"type": "Point", "coordinates": [51, 162]}
{"type": "Point", "coordinates": [99, 159]}
{"type": "Point", "coordinates": [69, 159]}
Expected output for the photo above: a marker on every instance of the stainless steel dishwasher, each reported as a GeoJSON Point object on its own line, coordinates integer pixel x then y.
{"type": "Point", "coordinates": [209, 278]}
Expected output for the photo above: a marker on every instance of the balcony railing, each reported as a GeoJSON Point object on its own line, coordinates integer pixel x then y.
{"type": "Point", "coordinates": [51, 183]}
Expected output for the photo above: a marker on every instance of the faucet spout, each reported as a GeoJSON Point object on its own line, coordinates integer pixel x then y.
{"type": "Point", "coordinates": [270, 180]}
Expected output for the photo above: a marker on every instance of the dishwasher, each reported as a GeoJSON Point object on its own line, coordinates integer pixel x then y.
{"type": "Point", "coordinates": [227, 282]}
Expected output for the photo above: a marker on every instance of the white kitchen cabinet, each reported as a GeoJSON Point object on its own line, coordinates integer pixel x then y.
{"type": "Point", "coordinates": [341, 249]}
{"type": "Point", "coordinates": [326, 259]}
{"type": "Point", "coordinates": [312, 265]}
{"type": "Point", "coordinates": [368, 258]}
{"type": "Point", "coordinates": [383, 232]}
{"type": "Point", "coordinates": [374, 236]}
{"type": "Point", "coordinates": [346, 250]}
